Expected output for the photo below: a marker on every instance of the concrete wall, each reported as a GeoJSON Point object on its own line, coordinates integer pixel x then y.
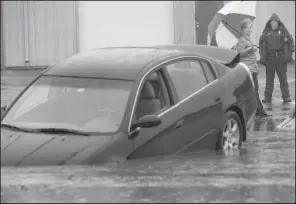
{"type": "Point", "coordinates": [133, 23]}
{"type": "Point", "coordinates": [125, 23]}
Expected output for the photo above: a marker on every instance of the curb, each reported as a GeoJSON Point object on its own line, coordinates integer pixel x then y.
{"type": "Point", "coordinates": [288, 123]}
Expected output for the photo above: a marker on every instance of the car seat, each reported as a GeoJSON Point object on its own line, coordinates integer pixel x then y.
{"type": "Point", "coordinates": [155, 82]}
{"type": "Point", "coordinates": [148, 103]}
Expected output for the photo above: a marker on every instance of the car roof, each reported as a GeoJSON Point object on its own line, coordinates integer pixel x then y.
{"type": "Point", "coordinates": [218, 54]}
{"type": "Point", "coordinates": [113, 62]}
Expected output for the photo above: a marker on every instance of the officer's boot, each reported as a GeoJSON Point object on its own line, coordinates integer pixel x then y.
{"type": "Point", "coordinates": [266, 100]}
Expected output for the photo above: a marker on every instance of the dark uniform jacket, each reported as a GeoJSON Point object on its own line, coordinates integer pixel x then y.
{"type": "Point", "coordinates": [276, 41]}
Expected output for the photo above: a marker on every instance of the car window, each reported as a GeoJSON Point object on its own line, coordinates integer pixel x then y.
{"type": "Point", "coordinates": [86, 104]}
{"type": "Point", "coordinates": [187, 76]}
{"type": "Point", "coordinates": [208, 71]}
{"type": "Point", "coordinates": [153, 97]}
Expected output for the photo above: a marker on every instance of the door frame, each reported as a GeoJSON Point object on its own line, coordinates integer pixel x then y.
{"type": "Point", "coordinates": [184, 33]}
{"type": "Point", "coordinates": [138, 143]}
{"type": "Point", "coordinates": [197, 4]}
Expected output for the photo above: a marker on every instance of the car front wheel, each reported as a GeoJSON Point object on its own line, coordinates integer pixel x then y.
{"type": "Point", "coordinates": [232, 132]}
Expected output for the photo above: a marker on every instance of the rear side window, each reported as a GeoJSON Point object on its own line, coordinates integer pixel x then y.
{"type": "Point", "coordinates": [187, 76]}
{"type": "Point", "coordinates": [208, 71]}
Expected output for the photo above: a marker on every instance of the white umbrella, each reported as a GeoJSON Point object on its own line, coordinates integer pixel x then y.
{"type": "Point", "coordinates": [224, 29]}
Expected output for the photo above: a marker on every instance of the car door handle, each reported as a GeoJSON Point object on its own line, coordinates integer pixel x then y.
{"type": "Point", "coordinates": [179, 124]}
{"type": "Point", "coordinates": [218, 99]}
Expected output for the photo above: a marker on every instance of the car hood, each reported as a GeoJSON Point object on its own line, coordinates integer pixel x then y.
{"type": "Point", "coordinates": [19, 148]}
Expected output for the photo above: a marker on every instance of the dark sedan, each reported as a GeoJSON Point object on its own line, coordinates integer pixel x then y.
{"type": "Point", "coordinates": [131, 102]}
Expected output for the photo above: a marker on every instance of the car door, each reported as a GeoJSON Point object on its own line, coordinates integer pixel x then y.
{"type": "Point", "coordinates": [160, 140]}
{"type": "Point", "coordinates": [199, 104]}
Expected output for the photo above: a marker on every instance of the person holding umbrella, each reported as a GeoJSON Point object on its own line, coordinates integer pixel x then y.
{"type": "Point", "coordinates": [276, 49]}
{"type": "Point", "coordinates": [225, 28]}
{"type": "Point", "coordinates": [247, 52]}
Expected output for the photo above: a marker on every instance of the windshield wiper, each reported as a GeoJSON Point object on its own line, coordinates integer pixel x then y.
{"type": "Point", "coordinates": [62, 131]}
{"type": "Point", "coordinates": [45, 130]}
{"type": "Point", "coordinates": [12, 127]}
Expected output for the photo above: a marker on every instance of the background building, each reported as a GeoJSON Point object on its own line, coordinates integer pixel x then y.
{"type": "Point", "coordinates": [43, 33]}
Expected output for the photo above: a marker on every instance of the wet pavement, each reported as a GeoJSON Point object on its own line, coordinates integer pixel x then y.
{"type": "Point", "coordinates": [263, 170]}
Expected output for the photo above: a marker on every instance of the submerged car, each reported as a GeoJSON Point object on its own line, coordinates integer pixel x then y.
{"type": "Point", "coordinates": [126, 103]}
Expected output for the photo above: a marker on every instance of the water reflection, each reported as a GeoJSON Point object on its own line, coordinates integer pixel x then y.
{"type": "Point", "coordinates": [278, 105]}
{"type": "Point", "coordinates": [262, 171]}
{"type": "Point", "coordinates": [266, 124]}
{"type": "Point", "coordinates": [271, 124]}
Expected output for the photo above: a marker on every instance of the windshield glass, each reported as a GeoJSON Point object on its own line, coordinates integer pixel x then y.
{"type": "Point", "coordinates": [85, 104]}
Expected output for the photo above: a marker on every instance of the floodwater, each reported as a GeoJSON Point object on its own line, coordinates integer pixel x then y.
{"type": "Point", "coordinates": [263, 170]}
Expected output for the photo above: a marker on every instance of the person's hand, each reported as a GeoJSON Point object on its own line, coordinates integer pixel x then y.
{"type": "Point", "coordinates": [262, 61]}
{"type": "Point", "coordinates": [253, 49]}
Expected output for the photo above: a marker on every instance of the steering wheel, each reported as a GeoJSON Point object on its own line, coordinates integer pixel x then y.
{"type": "Point", "coordinates": [109, 111]}
{"type": "Point", "coordinates": [98, 120]}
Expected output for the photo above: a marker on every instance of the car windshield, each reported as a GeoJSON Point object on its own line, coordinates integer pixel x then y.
{"type": "Point", "coordinates": [84, 104]}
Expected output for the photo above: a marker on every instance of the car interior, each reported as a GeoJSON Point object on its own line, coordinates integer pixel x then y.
{"type": "Point", "coordinates": [148, 103]}
{"type": "Point", "coordinates": [153, 97]}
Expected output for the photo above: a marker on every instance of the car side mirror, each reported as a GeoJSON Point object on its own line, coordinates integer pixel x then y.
{"type": "Point", "coordinates": [3, 110]}
{"type": "Point", "coordinates": [147, 121]}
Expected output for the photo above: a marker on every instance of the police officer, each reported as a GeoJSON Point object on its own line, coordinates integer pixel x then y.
{"type": "Point", "coordinates": [276, 47]}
